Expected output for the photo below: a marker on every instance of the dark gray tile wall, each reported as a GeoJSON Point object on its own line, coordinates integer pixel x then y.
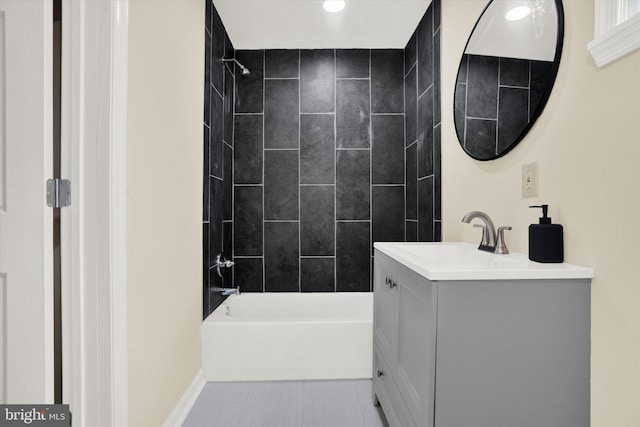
{"type": "Point", "coordinates": [317, 81]}
{"type": "Point", "coordinates": [353, 185]}
{"type": "Point", "coordinates": [387, 149]}
{"type": "Point", "coordinates": [282, 64]}
{"type": "Point", "coordinates": [248, 218]}
{"type": "Point", "coordinates": [353, 118]}
{"type": "Point", "coordinates": [317, 274]}
{"type": "Point", "coordinates": [353, 256]}
{"type": "Point", "coordinates": [352, 64]}
{"type": "Point", "coordinates": [387, 81]}
{"type": "Point", "coordinates": [317, 220]}
{"type": "Point", "coordinates": [495, 100]}
{"type": "Point", "coordinates": [307, 164]}
{"type": "Point", "coordinates": [423, 124]}
{"type": "Point", "coordinates": [310, 158]}
{"type": "Point", "coordinates": [281, 113]}
{"type": "Point", "coordinates": [249, 95]}
{"type": "Point", "coordinates": [247, 165]}
{"type": "Point", "coordinates": [282, 251]}
{"type": "Point", "coordinates": [281, 185]}
{"type": "Point", "coordinates": [387, 213]}
{"type": "Point", "coordinates": [218, 135]}
{"type": "Point", "coordinates": [317, 149]}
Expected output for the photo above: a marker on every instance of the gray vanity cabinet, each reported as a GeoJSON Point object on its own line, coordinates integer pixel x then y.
{"type": "Point", "coordinates": [508, 352]}
{"type": "Point", "coordinates": [404, 343]}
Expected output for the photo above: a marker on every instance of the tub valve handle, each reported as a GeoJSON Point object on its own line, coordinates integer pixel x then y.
{"type": "Point", "coordinates": [222, 263]}
{"type": "Point", "coordinates": [379, 373]}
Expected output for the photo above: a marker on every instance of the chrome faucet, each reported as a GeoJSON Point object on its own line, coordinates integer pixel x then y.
{"type": "Point", "coordinates": [491, 241]}
{"type": "Point", "coordinates": [227, 291]}
{"type": "Point", "coordinates": [488, 242]}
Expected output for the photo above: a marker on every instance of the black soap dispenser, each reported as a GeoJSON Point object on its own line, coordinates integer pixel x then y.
{"type": "Point", "coordinates": [545, 239]}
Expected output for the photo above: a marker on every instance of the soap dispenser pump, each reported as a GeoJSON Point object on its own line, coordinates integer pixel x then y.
{"type": "Point", "coordinates": [545, 239]}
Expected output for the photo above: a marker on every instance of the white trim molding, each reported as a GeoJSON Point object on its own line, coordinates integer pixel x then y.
{"type": "Point", "coordinates": [179, 414]}
{"type": "Point", "coordinates": [93, 228]}
{"type": "Point", "coordinates": [615, 36]}
{"type": "Point", "coordinates": [118, 205]}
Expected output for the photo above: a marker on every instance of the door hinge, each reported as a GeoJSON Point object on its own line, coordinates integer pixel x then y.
{"type": "Point", "coordinates": [58, 193]}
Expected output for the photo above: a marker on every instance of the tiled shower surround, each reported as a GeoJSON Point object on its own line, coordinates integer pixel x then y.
{"type": "Point", "coordinates": [316, 165]}
{"type": "Point", "coordinates": [218, 157]}
{"type": "Point", "coordinates": [423, 129]}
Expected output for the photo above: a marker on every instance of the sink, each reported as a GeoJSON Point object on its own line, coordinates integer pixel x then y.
{"type": "Point", "coordinates": [458, 254]}
{"type": "Point", "coordinates": [463, 261]}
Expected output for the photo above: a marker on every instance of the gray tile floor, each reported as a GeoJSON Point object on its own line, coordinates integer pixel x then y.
{"type": "Point", "coordinates": [335, 403]}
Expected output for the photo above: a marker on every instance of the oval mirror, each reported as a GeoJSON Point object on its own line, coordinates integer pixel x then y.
{"type": "Point", "coordinates": [506, 74]}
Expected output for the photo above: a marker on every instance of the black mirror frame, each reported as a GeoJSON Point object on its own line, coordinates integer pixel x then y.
{"type": "Point", "coordinates": [545, 95]}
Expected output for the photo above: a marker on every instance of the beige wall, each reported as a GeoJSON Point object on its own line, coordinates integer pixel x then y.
{"type": "Point", "coordinates": [166, 63]}
{"type": "Point", "coordinates": [587, 145]}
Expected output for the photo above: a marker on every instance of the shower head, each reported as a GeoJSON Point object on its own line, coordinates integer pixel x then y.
{"type": "Point", "coordinates": [244, 70]}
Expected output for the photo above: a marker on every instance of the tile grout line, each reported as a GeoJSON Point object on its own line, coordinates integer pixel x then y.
{"type": "Point", "coordinates": [404, 138]}
{"type": "Point", "coordinates": [264, 254]}
{"type": "Point", "coordinates": [233, 169]}
{"type": "Point", "coordinates": [370, 243]}
{"type": "Point", "coordinates": [433, 135]}
{"type": "Point", "coordinates": [335, 173]}
{"type": "Point", "coordinates": [417, 115]}
{"type": "Point", "coordinates": [299, 177]}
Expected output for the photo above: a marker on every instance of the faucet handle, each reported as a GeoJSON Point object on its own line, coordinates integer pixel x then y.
{"type": "Point", "coordinates": [501, 246]}
{"type": "Point", "coordinates": [222, 263]}
{"type": "Point", "coordinates": [485, 240]}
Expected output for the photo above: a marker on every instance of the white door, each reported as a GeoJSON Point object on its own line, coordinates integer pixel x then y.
{"type": "Point", "coordinates": [26, 224]}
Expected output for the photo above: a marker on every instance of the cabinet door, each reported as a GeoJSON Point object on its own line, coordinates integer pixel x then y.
{"type": "Point", "coordinates": [385, 308]}
{"type": "Point", "coordinates": [387, 392]}
{"type": "Point", "coordinates": [416, 344]}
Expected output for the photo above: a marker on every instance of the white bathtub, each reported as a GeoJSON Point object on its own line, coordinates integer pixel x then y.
{"type": "Point", "coordinates": [289, 336]}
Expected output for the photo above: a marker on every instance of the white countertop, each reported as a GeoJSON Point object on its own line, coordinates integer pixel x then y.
{"type": "Point", "coordinates": [463, 261]}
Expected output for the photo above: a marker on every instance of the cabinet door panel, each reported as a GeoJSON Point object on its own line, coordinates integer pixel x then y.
{"type": "Point", "coordinates": [386, 390]}
{"type": "Point", "coordinates": [385, 309]}
{"type": "Point", "coordinates": [416, 345]}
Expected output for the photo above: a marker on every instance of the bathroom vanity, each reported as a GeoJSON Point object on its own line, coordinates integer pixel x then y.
{"type": "Point", "coordinates": [465, 338]}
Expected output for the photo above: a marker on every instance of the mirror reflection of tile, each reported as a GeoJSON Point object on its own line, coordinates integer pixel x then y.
{"type": "Point", "coordinates": [496, 99]}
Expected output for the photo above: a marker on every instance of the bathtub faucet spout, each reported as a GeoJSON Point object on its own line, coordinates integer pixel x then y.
{"type": "Point", "coordinates": [227, 291]}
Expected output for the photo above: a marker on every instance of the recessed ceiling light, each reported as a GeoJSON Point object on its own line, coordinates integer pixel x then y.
{"type": "Point", "coordinates": [518, 13]}
{"type": "Point", "coordinates": [333, 6]}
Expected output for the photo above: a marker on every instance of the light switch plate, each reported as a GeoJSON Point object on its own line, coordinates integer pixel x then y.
{"type": "Point", "coordinates": [530, 180]}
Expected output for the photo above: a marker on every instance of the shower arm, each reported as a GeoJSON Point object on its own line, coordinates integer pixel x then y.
{"type": "Point", "coordinates": [245, 70]}
{"type": "Point", "coordinates": [232, 60]}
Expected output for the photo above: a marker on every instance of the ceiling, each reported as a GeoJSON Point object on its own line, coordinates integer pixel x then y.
{"type": "Point", "coordinates": [303, 24]}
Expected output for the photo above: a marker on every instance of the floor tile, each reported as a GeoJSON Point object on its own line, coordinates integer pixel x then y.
{"type": "Point", "coordinates": [274, 404]}
{"type": "Point", "coordinates": [330, 403]}
{"type": "Point", "coordinates": [334, 403]}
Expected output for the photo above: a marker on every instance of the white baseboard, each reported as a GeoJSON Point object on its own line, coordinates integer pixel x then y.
{"type": "Point", "coordinates": [182, 409]}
